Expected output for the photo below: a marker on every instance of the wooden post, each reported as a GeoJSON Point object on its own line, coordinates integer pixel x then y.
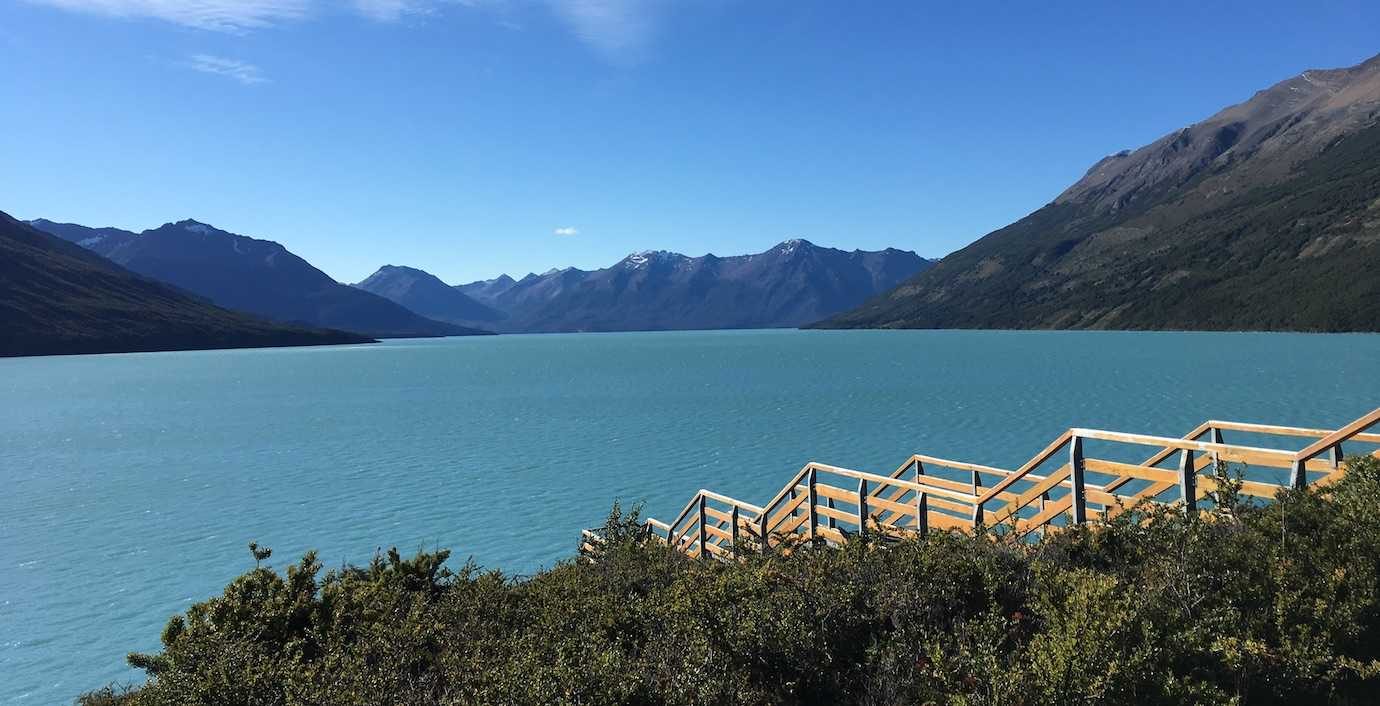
{"type": "Point", "coordinates": [1335, 454]}
{"type": "Point", "coordinates": [1215, 436]}
{"type": "Point", "coordinates": [814, 498]}
{"type": "Point", "coordinates": [862, 505]}
{"type": "Point", "coordinates": [1044, 500]}
{"type": "Point", "coordinates": [1298, 474]}
{"type": "Point", "coordinates": [1188, 481]}
{"type": "Point", "coordinates": [1080, 505]}
{"type": "Point", "coordinates": [829, 521]}
{"type": "Point", "coordinates": [735, 531]}
{"type": "Point", "coordinates": [762, 530]}
{"type": "Point", "coordinates": [704, 531]}
{"type": "Point", "coordinates": [922, 504]}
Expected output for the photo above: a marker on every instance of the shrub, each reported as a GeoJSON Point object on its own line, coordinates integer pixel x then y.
{"type": "Point", "coordinates": [1238, 604]}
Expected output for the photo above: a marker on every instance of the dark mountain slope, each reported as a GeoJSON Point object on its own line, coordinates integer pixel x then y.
{"type": "Point", "coordinates": [98, 240]}
{"type": "Point", "coordinates": [791, 284]}
{"type": "Point", "coordinates": [1265, 216]}
{"type": "Point", "coordinates": [427, 295]}
{"type": "Point", "coordinates": [57, 298]}
{"type": "Point", "coordinates": [487, 290]}
{"type": "Point", "coordinates": [263, 278]}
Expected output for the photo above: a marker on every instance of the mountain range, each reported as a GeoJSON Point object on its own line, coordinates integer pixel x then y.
{"type": "Point", "coordinates": [791, 284]}
{"type": "Point", "coordinates": [259, 277]}
{"type": "Point", "coordinates": [58, 298]}
{"type": "Point", "coordinates": [1265, 216]}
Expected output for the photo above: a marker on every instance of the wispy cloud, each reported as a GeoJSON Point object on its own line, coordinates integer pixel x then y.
{"type": "Point", "coordinates": [392, 10]}
{"type": "Point", "coordinates": [619, 30]}
{"type": "Point", "coordinates": [215, 15]}
{"type": "Point", "coordinates": [566, 231]}
{"type": "Point", "coordinates": [246, 73]}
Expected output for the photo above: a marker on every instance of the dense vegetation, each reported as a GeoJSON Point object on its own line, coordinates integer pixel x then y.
{"type": "Point", "coordinates": [1246, 604]}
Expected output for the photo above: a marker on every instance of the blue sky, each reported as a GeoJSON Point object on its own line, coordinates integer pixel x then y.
{"type": "Point", "coordinates": [476, 137]}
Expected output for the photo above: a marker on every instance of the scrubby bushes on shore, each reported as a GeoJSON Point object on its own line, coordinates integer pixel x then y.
{"type": "Point", "coordinates": [1244, 604]}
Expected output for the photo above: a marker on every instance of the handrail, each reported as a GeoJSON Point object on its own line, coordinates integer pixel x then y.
{"type": "Point", "coordinates": [786, 490]}
{"type": "Point", "coordinates": [1026, 468]}
{"type": "Point", "coordinates": [1286, 431]}
{"type": "Point", "coordinates": [812, 515]}
{"type": "Point", "coordinates": [1339, 436]}
{"type": "Point", "coordinates": [1184, 444]}
{"type": "Point", "coordinates": [960, 465]}
{"type": "Point", "coordinates": [731, 501]}
{"type": "Point", "coordinates": [876, 478]}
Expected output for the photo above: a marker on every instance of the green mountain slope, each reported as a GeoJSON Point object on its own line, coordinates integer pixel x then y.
{"type": "Point", "coordinates": [58, 298]}
{"type": "Point", "coordinates": [1265, 216]}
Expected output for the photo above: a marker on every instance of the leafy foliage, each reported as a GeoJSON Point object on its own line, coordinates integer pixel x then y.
{"type": "Point", "coordinates": [1241, 604]}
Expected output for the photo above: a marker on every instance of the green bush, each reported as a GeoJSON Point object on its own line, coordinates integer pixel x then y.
{"type": "Point", "coordinates": [1240, 604]}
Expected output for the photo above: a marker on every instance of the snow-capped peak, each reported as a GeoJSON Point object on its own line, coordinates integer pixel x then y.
{"type": "Point", "coordinates": [194, 227]}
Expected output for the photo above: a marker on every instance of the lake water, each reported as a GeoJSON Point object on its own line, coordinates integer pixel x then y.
{"type": "Point", "coordinates": [132, 483]}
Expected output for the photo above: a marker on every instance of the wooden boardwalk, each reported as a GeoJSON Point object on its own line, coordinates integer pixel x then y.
{"type": "Point", "coordinates": [1064, 484]}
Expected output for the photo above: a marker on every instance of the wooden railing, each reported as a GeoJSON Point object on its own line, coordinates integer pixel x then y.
{"type": "Point", "coordinates": [824, 503]}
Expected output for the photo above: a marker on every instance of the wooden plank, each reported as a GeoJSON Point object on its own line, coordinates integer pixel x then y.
{"type": "Point", "coordinates": [719, 533]}
{"type": "Point", "coordinates": [1190, 444]}
{"type": "Point", "coordinates": [962, 488]}
{"type": "Point", "coordinates": [836, 493]}
{"type": "Point", "coordinates": [790, 525]}
{"type": "Point", "coordinates": [718, 514]}
{"type": "Point", "coordinates": [1288, 431]}
{"type": "Point", "coordinates": [1161, 455]}
{"type": "Point", "coordinates": [1050, 482]}
{"type": "Point", "coordinates": [875, 478]}
{"type": "Point", "coordinates": [961, 465]}
{"type": "Point", "coordinates": [1344, 434]}
{"type": "Point", "coordinates": [1052, 510]}
{"type": "Point", "coordinates": [732, 501]}
{"type": "Point", "coordinates": [962, 508]}
{"type": "Point", "coordinates": [945, 521]}
{"type": "Point", "coordinates": [1161, 475]}
{"type": "Point", "coordinates": [831, 534]}
{"type": "Point", "coordinates": [1025, 468]}
{"type": "Point", "coordinates": [838, 515]}
{"type": "Point", "coordinates": [899, 508]}
{"type": "Point", "coordinates": [788, 509]}
{"type": "Point", "coordinates": [1256, 489]}
{"type": "Point", "coordinates": [785, 491]}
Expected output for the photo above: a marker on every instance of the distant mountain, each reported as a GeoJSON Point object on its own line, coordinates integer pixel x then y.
{"type": "Point", "coordinates": [423, 293]}
{"type": "Point", "coordinates": [101, 241]}
{"type": "Point", "coordinates": [259, 277]}
{"type": "Point", "coordinates": [488, 290]}
{"type": "Point", "coordinates": [1264, 216]}
{"type": "Point", "coordinates": [57, 298]}
{"type": "Point", "coordinates": [791, 284]}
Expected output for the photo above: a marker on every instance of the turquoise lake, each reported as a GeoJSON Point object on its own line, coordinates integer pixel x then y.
{"type": "Point", "coordinates": [132, 483]}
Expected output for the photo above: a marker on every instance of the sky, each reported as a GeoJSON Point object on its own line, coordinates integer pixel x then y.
{"type": "Point", "coordinates": [477, 137]}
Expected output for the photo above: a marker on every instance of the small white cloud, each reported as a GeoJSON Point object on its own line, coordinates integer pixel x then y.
{"type": "Point", "coordinates": [233, 16]}
{"type": "Point", "coordinates": [619, 30]}
{"type": "Point", "coordinates": [392, 10]}
{"type": "Point", "coordinates": [246, 73]}
{"type": "Point", "coordinates": [566, 231]}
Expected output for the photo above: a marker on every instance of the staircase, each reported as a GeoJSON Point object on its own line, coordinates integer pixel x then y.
{"type": "Point", "coordinates": [1063, 485]}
